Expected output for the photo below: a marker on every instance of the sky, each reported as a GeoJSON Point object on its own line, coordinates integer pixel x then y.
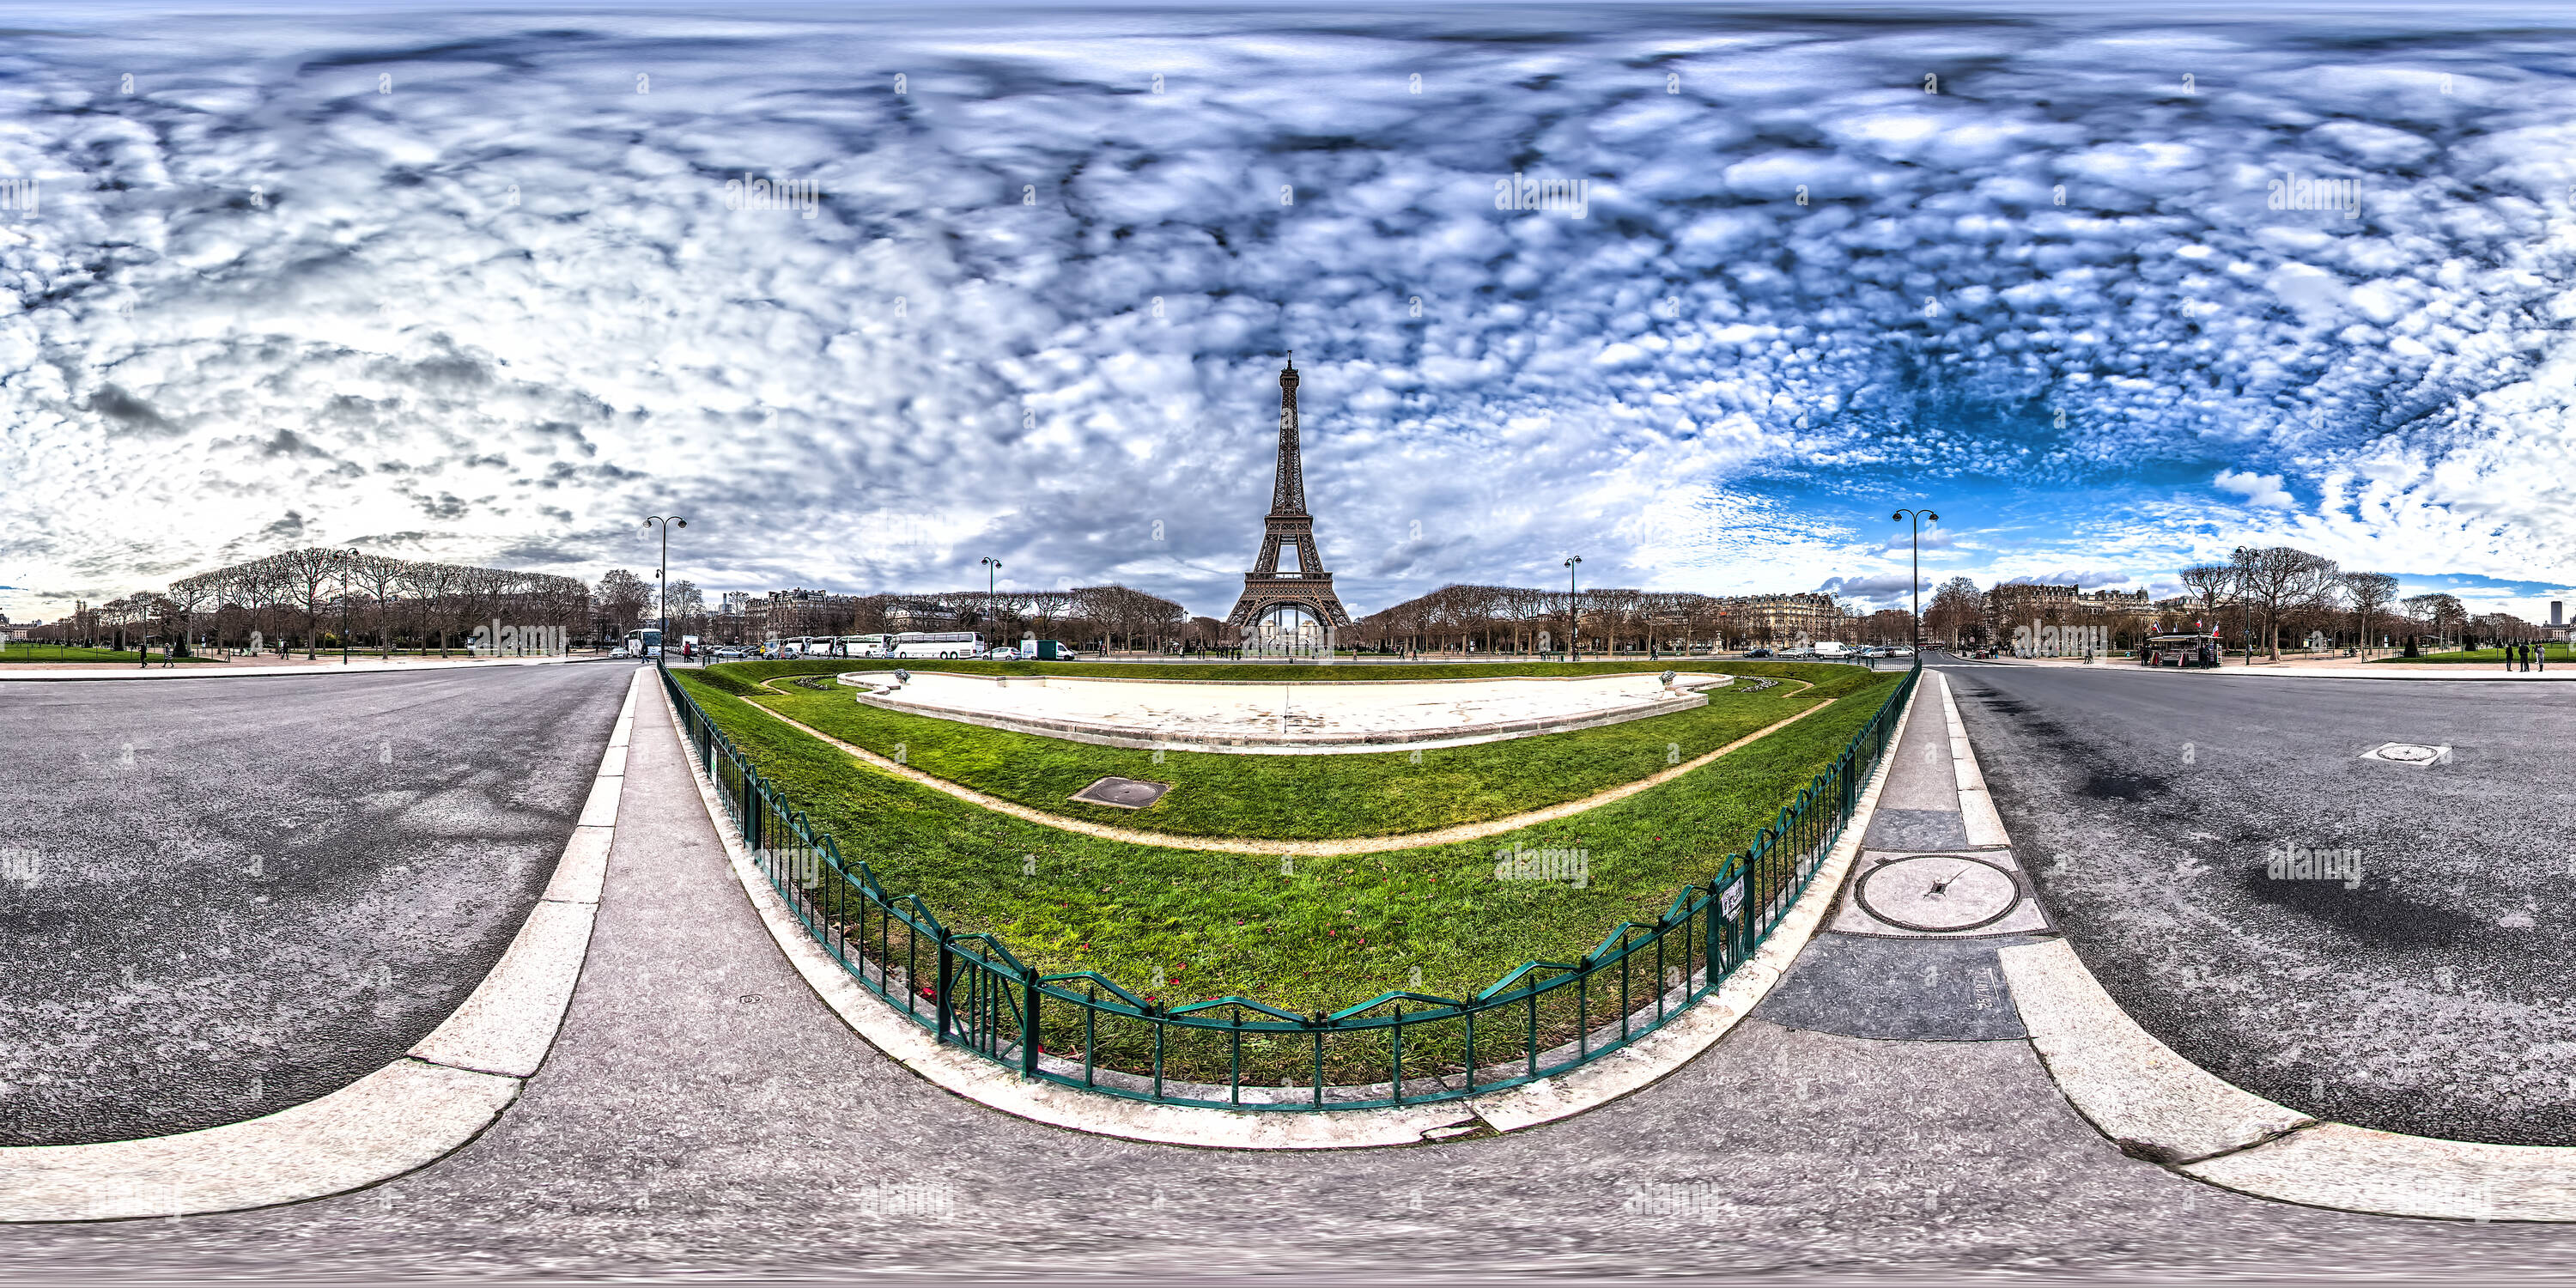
{"type": "Point", "coordinates": [2111, 295]}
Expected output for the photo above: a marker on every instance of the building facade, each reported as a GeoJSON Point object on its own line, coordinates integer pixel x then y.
{"type": "Point", "coordinates": [1811, 614]}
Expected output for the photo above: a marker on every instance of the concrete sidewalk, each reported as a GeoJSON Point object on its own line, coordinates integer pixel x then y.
{"type": "Point", "coordinates": [704, 1114]}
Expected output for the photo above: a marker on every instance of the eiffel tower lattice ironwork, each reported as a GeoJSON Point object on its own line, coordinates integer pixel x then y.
{"type": "Point", "coordinates": [1310, 588]}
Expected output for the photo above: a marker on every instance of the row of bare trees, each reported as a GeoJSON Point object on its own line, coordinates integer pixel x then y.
{"type": "Point", "coordinates": [2274, 591]}
{"type": "Point", "coordinates": [297, 597]}
{"type": "Point", "coordinates": [2260, 593]}
{"type": "Point", "coordinates": [2265, 589]}
{"type": "Point", "coordinates": [1102, 617]}
{"type": "Point", "coordinates": [1510, 619]}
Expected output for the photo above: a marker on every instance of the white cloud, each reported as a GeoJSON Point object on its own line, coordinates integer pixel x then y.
{"type": "Point", "coordinates": [2258, 489]}
{"type": "Point", "coordinates": [505, 309]}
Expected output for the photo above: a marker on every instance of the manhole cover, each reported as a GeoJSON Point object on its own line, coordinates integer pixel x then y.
{"type": "Point", "coordinates": [1122, 793]}
{"type": "Point", "coordinates": [2408, 753]}
{"type": "Point", "coordinates": [1938, 892]}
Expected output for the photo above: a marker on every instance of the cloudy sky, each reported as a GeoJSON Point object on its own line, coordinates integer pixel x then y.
{"type": "Point", "coordinates": [468, 284]}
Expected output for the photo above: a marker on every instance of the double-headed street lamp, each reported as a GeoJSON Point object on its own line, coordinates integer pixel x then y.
{"type": "Point", "coordinates": [666, 520]}
{"type": "Point", "coordinates": [992, 571]}
{"type": "Point", "coordinates": [1570, 618]}
{"type": "Point", "coordinates": [1920, 517]}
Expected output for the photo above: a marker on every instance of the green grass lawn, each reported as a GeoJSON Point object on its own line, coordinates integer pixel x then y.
{"type": "Point", "coordinates": [2493, 657]}
{"type": "Point", "coordinates": [1307, 797]}
{"type": "Point", "coordinates": [75, 653]}
{"type": "Point", "coordinates": [1308, 934]}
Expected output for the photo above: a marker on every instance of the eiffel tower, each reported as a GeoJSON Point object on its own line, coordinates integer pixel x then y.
{"type": "Point", "coordinates": [1288, 603]}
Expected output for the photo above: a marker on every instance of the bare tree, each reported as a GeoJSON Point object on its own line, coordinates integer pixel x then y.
{"type": "Point", "coordinates": [2370, 593]}
{"type": "Point", "coordinates": [622, 598]}
{"type": "Point", "coordinates": [310, 575]}
{"type": "Point", "coordinates": [1956, 606]}
{"type": "Point", "coordinates": [2214, 583]}
{"type": "Point", "coordinates": [187, 597]}
{"type": "Point", "coordinates": [2275, 578]}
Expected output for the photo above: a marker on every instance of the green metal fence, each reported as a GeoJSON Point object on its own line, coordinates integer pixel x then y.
{"type": "Point", "coordinates": [1083, 1029]}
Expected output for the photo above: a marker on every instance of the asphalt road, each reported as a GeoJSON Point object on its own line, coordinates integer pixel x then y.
{"type": "Point", "coordinates": [2426, 991]}
{"type": "Point", "coordinates": [220, 897]}
{"type": "Point", "coordinates": [704, 1116]}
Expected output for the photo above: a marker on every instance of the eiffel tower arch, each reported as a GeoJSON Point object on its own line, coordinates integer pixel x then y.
{"type": "Point", "coordinates": [1288, 612]}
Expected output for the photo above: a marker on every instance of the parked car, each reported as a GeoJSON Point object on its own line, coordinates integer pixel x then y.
{"type": "Point", "coordinates": [1003, 655]}
{"type": "Point", "coordinates": [1757, 652]}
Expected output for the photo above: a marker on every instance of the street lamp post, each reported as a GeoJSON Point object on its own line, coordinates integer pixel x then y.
{"type": "Point", "coordinates": [992, 574]}
{"type": "Point", "coordinates": [1570, 619]}
{"type": "Point", "coordinates": [1920, 517]}
{"type": "Point", "coordinates": [345, 565]}
{"type": "Point", "coordinates": [667, 521]}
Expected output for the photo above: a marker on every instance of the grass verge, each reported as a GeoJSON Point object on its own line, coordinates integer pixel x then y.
{"type": "Point", "coordinates": [76, 653]}
{"type": "Point", "coordinates": [2560, 653]}
{"type": "Point", "coordinates": [1305, 935]}
{"type": "Point", "coordinates": [1314, 797]}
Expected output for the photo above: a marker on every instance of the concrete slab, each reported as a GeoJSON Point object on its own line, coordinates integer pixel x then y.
{"type": "Point", "coordinates": [1921, 990]}
{"type": "Point", "coordinates": [600, 810]}
{"type": "Point", "coordinates": [2359, 1170]}
{"type": "Point", "coordinates": [583, 868]}
{"type": "Point", "coordinates": [1919, 831]}
{"type": "Point", "coordinates": [2153, 1103]}
{"type": "Point", "coordinates": [509, 1022]}
{"type": "Point", "coordinates": [1985, 827]}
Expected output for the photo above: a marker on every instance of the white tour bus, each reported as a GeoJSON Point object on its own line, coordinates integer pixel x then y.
{"type": "Point", "coordinates": [938, 644]}
{"type": "Point", "coordinates": [644, 643]}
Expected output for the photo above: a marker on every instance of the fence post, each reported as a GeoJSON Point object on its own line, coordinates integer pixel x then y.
{"type": "Point", "coordinates": [947, 978]}
{"type": "Point", "coordinates": [1716, 915]}
{"type": "Point", "coordinates": [1029, 1024]}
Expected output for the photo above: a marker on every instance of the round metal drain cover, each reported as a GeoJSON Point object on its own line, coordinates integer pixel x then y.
{"type": "Point", "coordinates": [1938, 892]}
{"type": "Point", "coordinates": [2407, 753]}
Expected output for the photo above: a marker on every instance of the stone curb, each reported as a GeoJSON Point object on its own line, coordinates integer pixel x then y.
{"type": "Point", "coordinates": [441, 1095]}
{"type": "Point", "coordinates": [215, 670]}
{"type": "Point", "coordinates": [2157, 1106]}
{"type": "Point", "coordinates": [1528, 1105]}
{"type": "Point", "coordinates": [1332, 846]}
